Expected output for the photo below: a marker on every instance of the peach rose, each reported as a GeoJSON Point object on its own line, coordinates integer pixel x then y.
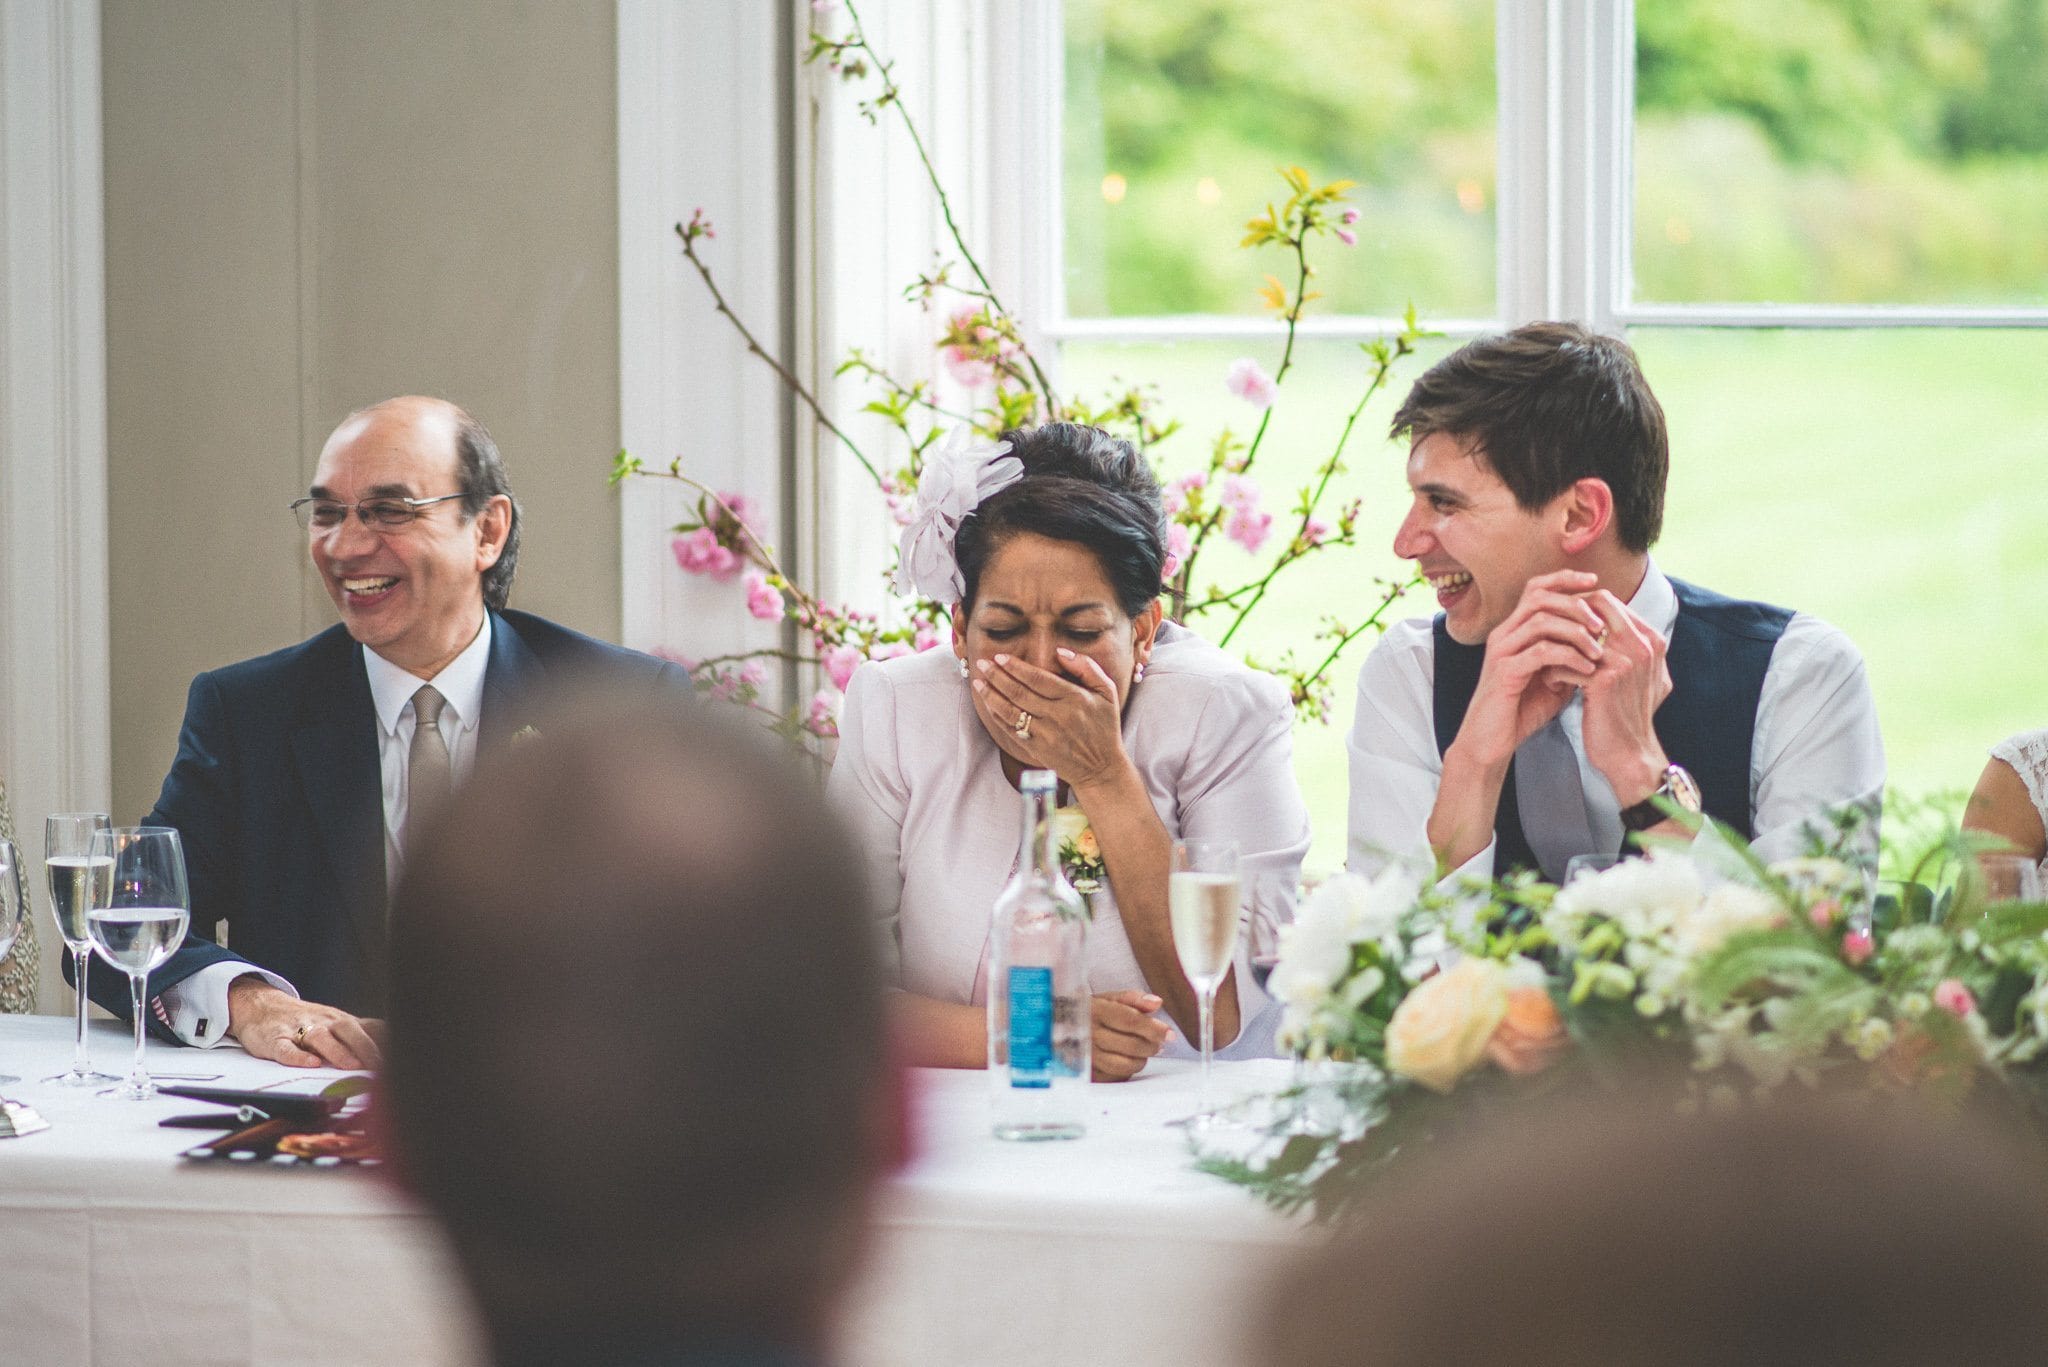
{"type": "Point", "coordinates": [1531, 1036]}
{"type": "Point", "coordinates": [1440, 1030]}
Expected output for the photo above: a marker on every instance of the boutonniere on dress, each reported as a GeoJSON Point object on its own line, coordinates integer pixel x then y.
{"type": "Point", "coordinates": [525, 734]}
{"type": "Point", "coordinates": [1080, 855]}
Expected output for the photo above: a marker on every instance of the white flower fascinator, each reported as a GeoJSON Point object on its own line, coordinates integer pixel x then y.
{"type": "Point", "coordinates": [955, 479]}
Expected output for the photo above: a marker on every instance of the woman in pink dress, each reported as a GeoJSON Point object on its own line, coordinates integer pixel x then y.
{"type": "Point", "coordinates": [1051, 547]}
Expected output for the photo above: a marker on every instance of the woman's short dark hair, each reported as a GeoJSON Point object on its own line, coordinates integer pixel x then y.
{"type": "Point", "coordinates": [1545, 406]}
{"type": "Point", "coordinates": [1081, 485]}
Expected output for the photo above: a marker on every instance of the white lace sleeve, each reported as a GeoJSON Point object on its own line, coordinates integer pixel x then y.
{"type": "Point", "coordinates": [2027, 753]}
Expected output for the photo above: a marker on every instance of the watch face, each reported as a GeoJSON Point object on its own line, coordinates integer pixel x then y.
{"type": "Point", "coordinates": [1683, 790]}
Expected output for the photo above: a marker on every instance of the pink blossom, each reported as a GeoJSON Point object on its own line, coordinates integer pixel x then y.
{"type": "Point", "coordinates": [674, 657]}
{"type": "Point", "coordinates": [840, 662]}
{"type": "Point", "coordinates": [1249, 528]}
{"type": "Point", "coordinates": [1857, 946]}
{"type": "Point", "coordinates": [1823, 912]}
{"type": "Point", "coordinates": [1178, 543]}
{"type": "Point", "coordinates": [1240, 492]}
{"type": "Point", "coordinates": [1315, 531]}
{"type": "Point", "coordinates": [824, 6]}
{"type": "Point", "coordinates": [1347, 237]}
{"type": "Point", "coordinates": [741, 507]}
{"type": "Point", "coordinates": [1348, 217]}
{"type": "Point", "coordinates": [754, 673]}
{"type": "Point", "coordinates": [928, 638]}
{"type": "Point", "coordinates": [822, 717]}
{"type": "Point", "coordinates": [1951, 996]}
{"type": "Point", "coordinates": [698, 552]}
{"type": "Point", "coordinates": [1250, 383]}
{"type": "Point", "coordinates": [1175, 495]}
{"type": "Point", "coordinates": [890, 651]}
{"type": "Point", "coordinates": [764, 600]}
{"type": "Point", "coordinates": [961, 361]}
{"type": "Point", "coordinates": [726, 687]}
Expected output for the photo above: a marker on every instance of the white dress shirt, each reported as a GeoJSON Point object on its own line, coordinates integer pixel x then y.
{"type": "Point", "coordinates": [1816, 746]}
{"type": "Point", "coordinates": [196, 1010]}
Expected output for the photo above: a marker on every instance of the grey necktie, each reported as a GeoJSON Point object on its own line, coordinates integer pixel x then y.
{"type": "Point", "coordinates": [1551, 800]}
{"type": "Point", "coordinates": [428, 775]}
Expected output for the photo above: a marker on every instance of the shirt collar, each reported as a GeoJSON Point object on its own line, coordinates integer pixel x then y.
{"type": "Point", "coordinates": [1656, 602]}
{"type": "Point", "coordinates": [461, 683]}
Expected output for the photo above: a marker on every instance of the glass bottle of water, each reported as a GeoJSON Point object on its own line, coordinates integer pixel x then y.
{"type": "Point", "coordinates": [1040, 1030]}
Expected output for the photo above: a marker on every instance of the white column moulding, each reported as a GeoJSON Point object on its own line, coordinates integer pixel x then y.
{"type": "Point", "coordinates": [701, 119]}
{"type": "Point", "coordinates": [877, 227]}
{"type": "Point", "coordinates": [53, 436]}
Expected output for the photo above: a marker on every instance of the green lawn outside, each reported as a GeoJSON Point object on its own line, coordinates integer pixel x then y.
{"type": "Point", "coordinates": [1890, 481]}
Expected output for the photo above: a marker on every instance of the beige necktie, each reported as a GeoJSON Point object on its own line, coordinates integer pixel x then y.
{"type": "Point", "coordinates": [428, 775]}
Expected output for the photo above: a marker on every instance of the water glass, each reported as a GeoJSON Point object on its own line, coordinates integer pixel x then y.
{"type": "Point", "coordinates": [13, 908]}
{"type": "Point", "coordinates": [141, 906]}
{"type": "Point", "coordinates": [1581, 864]}
{"type": "Point", "coordinates": [2008, 877]}
{"type": "Point", "coordinates": [68, 863]}
{"type": "Point", "coordinates": [1202, 897]}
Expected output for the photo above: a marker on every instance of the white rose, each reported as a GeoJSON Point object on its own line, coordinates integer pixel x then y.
{"type": "Point", "coordinates": [1314, 951]}
{"type": "Point", "coordinates": [1727, 909]}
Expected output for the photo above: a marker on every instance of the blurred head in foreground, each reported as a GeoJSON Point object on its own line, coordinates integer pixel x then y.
{"type": "Point", "coordinates": [637, 1063]}
{"type": "Point", "coordinates": [1808, 1233]}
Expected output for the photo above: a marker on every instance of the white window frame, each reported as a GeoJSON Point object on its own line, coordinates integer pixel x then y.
{"type": "Point", "coordinates": [1566, 82]}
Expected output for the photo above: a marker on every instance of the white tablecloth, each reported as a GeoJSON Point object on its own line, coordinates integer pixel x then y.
{"type": "Point", "coordinates": [1107, 1249]}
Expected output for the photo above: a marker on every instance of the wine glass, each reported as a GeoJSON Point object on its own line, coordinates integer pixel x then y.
{"type": "Point", "coordinates": [1202, 898]}
{"type": "Point", "coordinates": [13, 907]}
{"type": "Point", "coordinates": [2008, 877]}
{"type": "Point", "coordinates": [1581, 864]}
{"type": "Point", "coordinates": [68, 860]}
{"type": "Point", "coordinates": [141, 905]}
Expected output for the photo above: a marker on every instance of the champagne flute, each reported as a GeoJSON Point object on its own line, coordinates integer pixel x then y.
{"type": "Point", "coordinates": [1202, 899]}
{"type": "Point", "coordinates": [141, 905]}
{"type": "Point", "coordinates": [68, 860]}
{"type": "Point", "coordinates": [13, 908]}
{"type": "Point", "coordinates": [2007, 877]}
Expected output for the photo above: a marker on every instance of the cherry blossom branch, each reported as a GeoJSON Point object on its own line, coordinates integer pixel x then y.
{"type": "Point", "coordinates": [689, 232]}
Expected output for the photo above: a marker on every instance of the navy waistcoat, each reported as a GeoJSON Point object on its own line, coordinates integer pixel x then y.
{"type": "Point", "coordinates": [1720, 650]}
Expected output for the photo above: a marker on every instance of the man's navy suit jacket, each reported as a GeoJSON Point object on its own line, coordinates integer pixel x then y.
{"type": "Point", "coordinates": [277, 792]}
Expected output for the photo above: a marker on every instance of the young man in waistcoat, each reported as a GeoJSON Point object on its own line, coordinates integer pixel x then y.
{"type": "Point", "coordinates": [1567, 682]}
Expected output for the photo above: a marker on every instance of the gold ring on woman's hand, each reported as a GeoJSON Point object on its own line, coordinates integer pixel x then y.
{"type": "Point", "coordinates": [1023, 726]}
{"type": "Point", "coordinates": [299, 1037]}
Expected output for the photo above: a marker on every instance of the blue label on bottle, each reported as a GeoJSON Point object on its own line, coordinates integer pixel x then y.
{"type": "Point", "coordinates": [1031, 1027]}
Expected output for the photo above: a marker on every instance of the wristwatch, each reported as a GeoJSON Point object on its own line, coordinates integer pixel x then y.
{"type": "Point", "coordinates": [1678, 786]}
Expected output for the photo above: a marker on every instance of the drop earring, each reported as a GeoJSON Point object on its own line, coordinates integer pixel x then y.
{"type": "Point", "coordinates": [1138, 674]}
{"type": "Point", "coordinates": [963, 665]}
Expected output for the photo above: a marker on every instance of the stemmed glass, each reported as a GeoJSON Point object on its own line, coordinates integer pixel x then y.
{"type": "Point", "coordinates": [13, 908]}
{"type": "Point", "coordinates": [141, 905]}
{"type": "Point", "coordinates": [67, 858]}
{"type": "Point", "coordinates": [1202, 898]}
{"type": "Point", "coordinates": [2006, 877]}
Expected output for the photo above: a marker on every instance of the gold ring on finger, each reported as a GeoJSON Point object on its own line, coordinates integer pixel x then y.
{"type": "Point", "coordinates": [1023, 726]}
{"type": "Point", "coordinates": [299, 1037]}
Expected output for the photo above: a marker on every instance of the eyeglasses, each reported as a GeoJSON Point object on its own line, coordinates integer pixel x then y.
{"type": "Point", "coordinates": [379, 514]}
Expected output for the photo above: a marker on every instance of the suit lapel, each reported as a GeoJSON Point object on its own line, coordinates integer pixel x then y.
{"type": "Point", "coordinates": [512, 680]}
{"type": "Point", "coordinates": [335, 749]}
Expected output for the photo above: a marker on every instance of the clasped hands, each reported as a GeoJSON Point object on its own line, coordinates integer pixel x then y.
{"type": "Point", "coordinates": [274, 1024]}
{"type": "Point", "coordinates": [1567, 636]}
{"type": "Point", "coordinates": [1076, 721]}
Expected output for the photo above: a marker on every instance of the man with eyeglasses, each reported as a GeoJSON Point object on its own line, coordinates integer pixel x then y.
{"type": "Point", "coordinates": [302, 776]}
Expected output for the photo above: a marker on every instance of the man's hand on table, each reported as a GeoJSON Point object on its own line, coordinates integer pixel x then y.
{"type": "Point", "coordinates": [276, 1025]}
{"type": "Point", "coordinates": [1127, 1034]}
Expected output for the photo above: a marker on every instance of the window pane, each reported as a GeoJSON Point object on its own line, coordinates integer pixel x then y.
{"type": "Point", "coordinates": [1885, 481]}
{"type": "Point", "coordinates": [1842, 151]}
{"type": "Point", "coordinates": [1178, 113]}
{"type": "Point", "coordinates": [1308, 415]}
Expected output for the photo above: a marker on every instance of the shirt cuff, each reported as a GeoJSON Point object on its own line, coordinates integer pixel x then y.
{"type": "Point", "coordinates": [196, 1009]}
{"type": "Point", "coordinates": [1479, 866]}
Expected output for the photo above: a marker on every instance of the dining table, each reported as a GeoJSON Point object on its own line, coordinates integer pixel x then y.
{"type": "Point", "coordinates": [116, 1249]}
